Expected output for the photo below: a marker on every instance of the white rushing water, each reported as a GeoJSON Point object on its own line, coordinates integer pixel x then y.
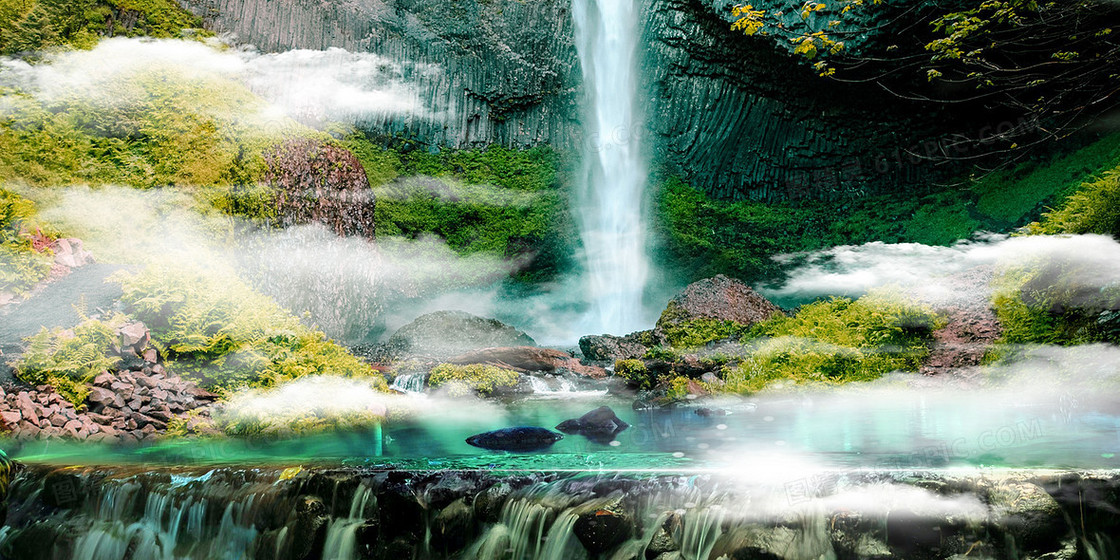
{"type": "Point", "coordinates": [611, 201]}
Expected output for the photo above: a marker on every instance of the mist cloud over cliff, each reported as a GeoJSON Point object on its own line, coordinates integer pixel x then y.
{"type": "Point", "coordinates": [934, 272]}
{"type": "Point", "coordinates": [304, 84]}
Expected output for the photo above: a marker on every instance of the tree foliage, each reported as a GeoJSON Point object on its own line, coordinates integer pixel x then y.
{"type": "Point", "coordinates": [1056, 63]}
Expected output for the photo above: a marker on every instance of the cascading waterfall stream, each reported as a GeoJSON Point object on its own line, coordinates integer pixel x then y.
{"type": "Point", "coordinates": [611, 201]}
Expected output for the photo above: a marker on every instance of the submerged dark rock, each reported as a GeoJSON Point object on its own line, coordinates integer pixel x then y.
{"type": "Point", "coordinates": [521, 438]}
{"type": "Point", "coordinates": [599, 425]}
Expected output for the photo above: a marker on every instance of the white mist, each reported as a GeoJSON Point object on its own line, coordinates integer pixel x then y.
{"type": "Point", "coordinates": [611, 196]}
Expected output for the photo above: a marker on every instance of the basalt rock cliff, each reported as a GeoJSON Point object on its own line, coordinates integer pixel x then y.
{"type": "Point", "coordinates": [735, 115]}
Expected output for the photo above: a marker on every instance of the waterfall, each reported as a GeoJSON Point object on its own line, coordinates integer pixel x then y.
{"type": "Point", "coordinates": [611, 197]}
{"type": "Point", "coordinates": [342, 540]}
{"type": "Point", "coordinates": [409, 383]}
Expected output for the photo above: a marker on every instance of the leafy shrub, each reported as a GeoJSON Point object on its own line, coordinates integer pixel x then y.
{"type": "Point", "coordinates": [698, 332]}
{"type": "Point", "coordinates": [1095, 208]}
{"type": "Point", "coordinates": [21, 267]}
{"type": "Point", "coordinates": [1050, 303]}
{"type": "Point", "coordinates": [635, 372]}
{"type": "Point", "coordinates": [461, 380]}
{"type": "Point", "coordinates": [212, 326]}
{"type": "Point", "coordinates": [38, 24]}
{"type": "Point", "coordinates": [837, 341]}
{"type": "Point", "coordinates": [68, 360]}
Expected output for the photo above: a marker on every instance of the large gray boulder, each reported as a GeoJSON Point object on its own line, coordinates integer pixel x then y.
{"type": "Point", "coordinates": [445, 334]}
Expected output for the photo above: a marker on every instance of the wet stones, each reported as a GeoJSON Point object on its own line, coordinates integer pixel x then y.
{"type": "Point", "coordinates": [1028, 514]}
{"type": "Point", "coordinates": [609, 348]}
{"type": "Point", "coordinates": [600, 425]}
{"type": "Point", "coordinates": [521, 438]}
{"type": "Point", "coordinates": [605, 527]}
{"type": "Point", "coordinates": [132, 404]}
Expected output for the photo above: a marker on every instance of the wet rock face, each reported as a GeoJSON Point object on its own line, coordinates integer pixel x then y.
{"type": "Point", "coordinates": [604, 528]}
{"type": "Point", "coordinates": [609, 348]}
{"type": "Point", "coordinates": [521, 438]}
{"type": "Point", "coordinates": [720, 298]}
{"type": "Point", "coordinates": [323, 184]}
{"type": "Point", "coordinates": [445, 334]}
{"type": "Point", "coordinates": [734, 115]}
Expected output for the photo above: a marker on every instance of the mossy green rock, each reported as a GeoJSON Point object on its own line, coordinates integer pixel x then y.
{"type": "Point", "coordinates": [713, 309]}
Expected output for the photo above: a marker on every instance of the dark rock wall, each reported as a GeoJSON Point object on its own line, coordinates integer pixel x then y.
{"type": "Point", "coordinates": [507, 68]}
{"type": "Point", "coordinates": [734, 115]}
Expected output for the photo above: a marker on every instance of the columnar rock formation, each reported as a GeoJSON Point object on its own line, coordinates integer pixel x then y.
{"type": "Point", "coordinates": [732, 114]}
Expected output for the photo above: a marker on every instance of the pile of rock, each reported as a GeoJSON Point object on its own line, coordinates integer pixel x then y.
{"type": "Point", "coordinates": [135, 403]}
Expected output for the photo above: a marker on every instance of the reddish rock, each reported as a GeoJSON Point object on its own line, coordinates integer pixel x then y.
{"type": "Point", "coordinates": [104, 379]}
{"type": "Point", "coordinates": [321, 183]}
{"type": "Point", "coordinates": [27, 408]}
{"type": "Point", "coordinates": [105, 398]}
{"type": "Point", "coordinates": [200, 394]}
{"type": "Point", "coordinates": [58, 420]}
{"type": "Point", "coordinates": [520, 358]}
{"type": "Point", "coordinates": [10, 417]}
{"type": "Point", "coordinates": [151, 355]}
{"type": "Point", "coordinates": [720, 298]}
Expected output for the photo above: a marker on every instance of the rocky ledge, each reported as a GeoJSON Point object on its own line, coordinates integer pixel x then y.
{"type": "Point", "coordinates": [135, 403]}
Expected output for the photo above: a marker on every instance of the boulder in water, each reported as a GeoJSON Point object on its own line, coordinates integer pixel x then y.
{"type": "Point", "coordinates": [521, 438]}
{"type": "Point", "coordinates": [600, 425]}
{"type": "Point", "coordinates": [445, 334]}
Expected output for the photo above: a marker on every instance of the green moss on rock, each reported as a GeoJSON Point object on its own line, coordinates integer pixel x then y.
{"type": "Point", "coordinates": [461, 380]}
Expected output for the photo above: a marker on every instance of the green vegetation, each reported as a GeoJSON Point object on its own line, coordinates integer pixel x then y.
{"type": "Point", "coordinates": [151, 129]}
{"type": "Point", "coordinates": [837, 341]}
{"type": "Point", "coordinates": [462, 380]}
{"type": "Point", "coordinates": [32, 25]}
{"type": "Point", "coordinates": [506, 202]}
{"type": "Point", "coordinates": [21, 266]}
{"type": "Point", "coordinates": [635, 372]}
{"type": "Point", "coordinates": [68, 360]}
{"type": "Point", "coordinates": [213, 327]}
{"type": "Point", "coordinates": [704, 237]}
{"type": "Point", "coordinates": [1095, 208]}
{"type": "Point", "coordinates": [1056, 302]}
{"type": "Point", "coordinates": [678, 331]}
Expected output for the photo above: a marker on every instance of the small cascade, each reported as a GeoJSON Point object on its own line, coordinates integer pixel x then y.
{"type": "Point", "coordinates": [342, 540]}
{"type": "Point", "coordinates": [253, 513]}
{"type": "Point", "coordinates": [409, 383]}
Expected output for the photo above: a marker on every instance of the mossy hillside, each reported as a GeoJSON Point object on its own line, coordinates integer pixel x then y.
{"type": "Point", "coordinates": [828, 342]}
{"type": "Point", "coordinates": [21, 265]}
{"type": "Point", "coordinates": [497, 200]}
{"type": "Point", "coordinates": [211, 326]}
{"type": "Point", "coordinates": [1052, 303]}
{"type": "Point", "coordinates": [152, 129]}
{"type": "Point", "coordinates": [462, 380]}
{"type": "Point", "coordinates": [701, 237]}
{"type": "Point", "coordinates": [32, 25]}
{"type": "Point", "coordinates": [68, 360]}
{"type": "Point", "coordinates": [837, 341]}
